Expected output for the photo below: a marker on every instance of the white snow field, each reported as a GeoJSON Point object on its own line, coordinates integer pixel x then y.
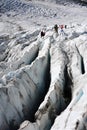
{"type": "Point", "coordinates": [43, 80]}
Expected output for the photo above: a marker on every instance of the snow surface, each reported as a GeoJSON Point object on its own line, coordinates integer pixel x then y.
{"type": "Point", "coordinates": [24, 59]}
{"type": "Point", "coordinates": [20, 15]}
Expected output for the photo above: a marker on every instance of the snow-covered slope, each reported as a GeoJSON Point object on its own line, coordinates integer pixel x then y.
{"type": "Point", "coordinates": [67, 68]}
{"type": "Point", "coordinates": [20, 15]}
{"type": "Point", "coordinates": [42, 78]}
{"type": "Point", "coordinates": [22, 88]}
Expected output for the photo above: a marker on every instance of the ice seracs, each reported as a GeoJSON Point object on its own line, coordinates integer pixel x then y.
{"type": "Point", "coordinates": [28, 62]}
{"type": "Point", "coordinates": [20, 89]}
{"type": "Point", "coordinates": [75, 114]}
{"type": "Point", "coordinates": [66, 69]}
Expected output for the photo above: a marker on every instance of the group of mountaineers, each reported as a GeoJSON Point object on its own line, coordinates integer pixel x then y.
{"type": "Point", "coordinates": [58, 29]}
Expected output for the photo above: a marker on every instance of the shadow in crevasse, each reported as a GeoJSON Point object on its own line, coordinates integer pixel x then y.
{"type": "Point", "coordinates": [39, 99]}
{"type": "Point", "coordinates": [68, 86]}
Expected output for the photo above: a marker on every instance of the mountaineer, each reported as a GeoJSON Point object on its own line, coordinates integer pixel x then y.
{"type": "Point", "coordinates": [55, 30]}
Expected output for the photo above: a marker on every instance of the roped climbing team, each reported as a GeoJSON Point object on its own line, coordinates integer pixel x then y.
{"type": "Point", "coordinates": [56, 27]}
